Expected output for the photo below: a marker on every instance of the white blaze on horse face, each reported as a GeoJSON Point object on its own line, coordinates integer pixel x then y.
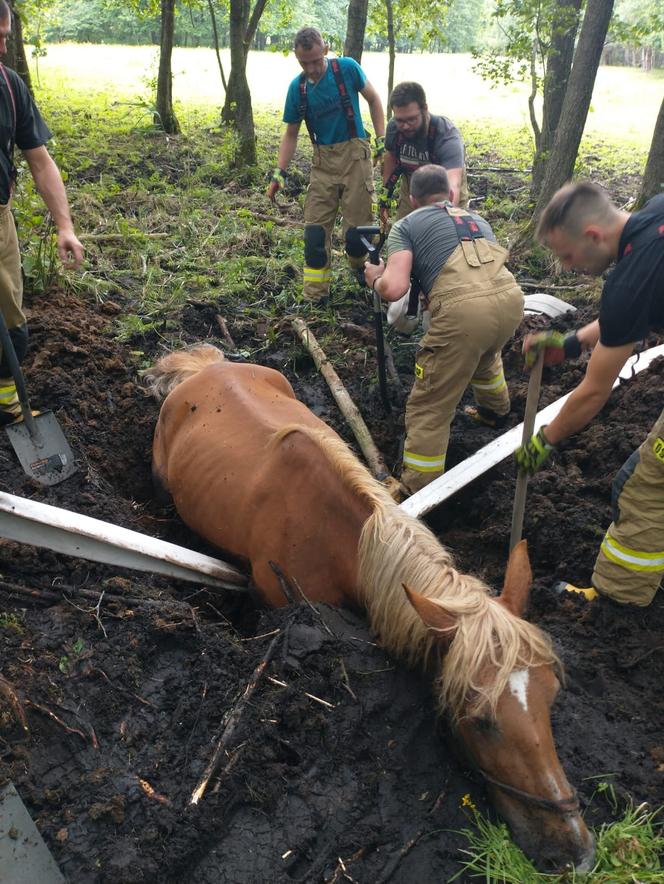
{"type": "Point", "coordinates": [518, 683]}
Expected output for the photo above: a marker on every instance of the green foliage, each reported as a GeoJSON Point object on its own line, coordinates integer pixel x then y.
{"type": "Point", "coordinates": [67, 660]}
{"type": "Point", "coordinates": [627, 850]}
{"type": "Point", "coordinates": [10, 621]}
{"type": "Point", "coordinates": [523, 30]}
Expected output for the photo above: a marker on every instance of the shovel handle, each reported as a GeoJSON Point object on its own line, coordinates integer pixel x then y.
{"type": "Point", "coordinates": [532, 402]}
{"type": "Point", "coordinates": [17, 374]}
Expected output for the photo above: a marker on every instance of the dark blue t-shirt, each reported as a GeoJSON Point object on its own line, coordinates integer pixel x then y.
{"type": "Point", "coordinates": [26, 129]}
{"type": "Point", "coordinates": [632, 303]}
{"type": "Point", "coordinates": [325, 112]}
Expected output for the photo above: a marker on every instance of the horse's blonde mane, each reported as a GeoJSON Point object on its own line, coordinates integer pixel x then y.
{"type": "Point", "coordinates": [176, 367]}
{"type": "Point", "coordinates": [395, 549]}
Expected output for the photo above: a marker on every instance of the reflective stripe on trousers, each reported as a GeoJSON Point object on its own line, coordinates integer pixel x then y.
{"type": "Point", "coordinates": [630, 563]}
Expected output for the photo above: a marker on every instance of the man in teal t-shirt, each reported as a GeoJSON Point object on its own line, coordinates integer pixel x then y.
{"type": "Point", "coordinates": [325, 96]}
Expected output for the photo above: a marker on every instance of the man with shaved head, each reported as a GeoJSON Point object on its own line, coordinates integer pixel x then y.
{"type": "Point", "coordinates": [589, 233]}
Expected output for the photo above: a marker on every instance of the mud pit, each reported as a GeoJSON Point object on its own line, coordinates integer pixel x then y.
{"type": "Point", "coordinates": [337, 769]}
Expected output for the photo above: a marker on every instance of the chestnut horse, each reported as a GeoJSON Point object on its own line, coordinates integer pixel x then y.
{"type": "Point", "coordinates": [253, 471]}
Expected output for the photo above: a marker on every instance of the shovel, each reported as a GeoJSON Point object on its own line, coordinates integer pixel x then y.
{"type": "Point", "coordinates": [38, 441]}
{"type": "Point", "coordinates": [374, 257]}
{"type": "Point", "coordinates": [532, 401]}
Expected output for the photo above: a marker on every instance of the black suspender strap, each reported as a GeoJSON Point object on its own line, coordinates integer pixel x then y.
{"type": "Point", "coordinates": [466, 229]}
{"type": "Point", "coordinates": [303, 106]}
{"type": "Point", "coordinates": [12, 137]}
{"type": "Point", "coordinates": [346, 103]}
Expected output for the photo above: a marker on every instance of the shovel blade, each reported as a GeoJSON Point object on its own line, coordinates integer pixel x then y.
{"type": "Point", "coordinates": [24, 857]}
{"type": "Point", "coordinates": [45, 456]}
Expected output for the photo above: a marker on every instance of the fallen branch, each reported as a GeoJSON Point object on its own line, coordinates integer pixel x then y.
{"type": "Point", "coordinates": [560, 288]}
{"type": "Point", "coordinates": [226, 335]}
{"type": "Point", "coordinates": [109, 237]}
{"type": "Point", "coordinates": [12, 697]}
{"type": "Point", "coordinates": [282, 222]}
{"type": "Point", "coordinates": [70, 730]}
{"type": "Point", "coordinates": [230, 722]}
{"type": "Point", "coordinates": [343, 400]}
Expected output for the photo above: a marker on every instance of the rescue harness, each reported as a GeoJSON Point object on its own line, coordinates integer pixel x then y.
{"type": "Point", "coordinates": [346, 103]}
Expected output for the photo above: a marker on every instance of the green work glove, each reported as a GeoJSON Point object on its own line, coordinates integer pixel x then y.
{"type": "Point", "coordinates": [531, 456]}
{"type": "Point", "coordinates": [557, 347]}
{"type": "Point", "coordinates": [277, 181]}
{"type": "Point", "coordinates": [378, 148]}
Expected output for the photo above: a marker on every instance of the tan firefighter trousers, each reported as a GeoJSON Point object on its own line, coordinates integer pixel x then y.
{"type": "Point", "coordinates": [341, 177]}
{"type": "Point", "coordinates": [404, 208]}
{"type": "Point", "coordinates": [11, 282]}
{"type": "Point", "coordinates": [475, 307]}
{"type": "Point", "coordinates": [630, 564]}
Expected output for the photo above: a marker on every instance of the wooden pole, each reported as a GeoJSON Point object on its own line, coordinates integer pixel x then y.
{"type": "Point", "coordinates": [343, 400]}
{"type": "Point", "coordinates": [532, 401]}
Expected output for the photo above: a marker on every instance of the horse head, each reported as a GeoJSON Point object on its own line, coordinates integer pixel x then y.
{"type": "Point", "coordinates": [502, 719]}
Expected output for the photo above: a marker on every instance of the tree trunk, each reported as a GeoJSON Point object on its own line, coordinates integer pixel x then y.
{"type": "Point", "coordinates": [392, 53]}
{"type": "Point", "coordinates": [653, 177]}
{"type": "Point", "coordinates": [355, 28]}
{"type": "Point", "coordinates": [15, 58]}
{"type": "Point", "coordinates": [558, 67]}
{"type": "Point", "coordinates": [237, 111]}
{"type": "Point", "coordinates": [165, 117]}
{"type": "Point", "coordinates": [574, 112]}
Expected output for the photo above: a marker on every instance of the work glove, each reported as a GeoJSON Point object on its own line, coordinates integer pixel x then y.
{"type": "Point", "coordinates": [378, 149]}
{"type": "Point", "coordinates": [533, 455]}
{"type": "Point", "coordinates": [557, 347]}
{"type": "Point", "coordinates": [277, 181]}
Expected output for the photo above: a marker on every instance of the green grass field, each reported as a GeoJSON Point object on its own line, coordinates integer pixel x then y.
{"type": "Point", "coordinates": [624, 108]}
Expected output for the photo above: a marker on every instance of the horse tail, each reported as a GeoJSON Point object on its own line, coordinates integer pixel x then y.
{"type": "Point", "coordinates": [178, 366]}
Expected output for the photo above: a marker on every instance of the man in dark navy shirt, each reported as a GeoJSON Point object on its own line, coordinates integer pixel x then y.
{"type": "Point", "coordinates": [22, 126]}
{"type": "Point", "coordinates": [588, 233]}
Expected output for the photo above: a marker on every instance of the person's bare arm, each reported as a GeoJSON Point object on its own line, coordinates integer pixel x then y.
{"type": "Point", "coordinates": [375, 108]}
{"type": "Point", "coordinates": [591, 394]}
{"type": "Point", "coordinates": [455, 177]}
{"type": "Point", "coordinates": [52, 190]}
{"type": "Point", "coordinates": [288, 145]}
{"type": "Point", "coordinates": [391, 281]}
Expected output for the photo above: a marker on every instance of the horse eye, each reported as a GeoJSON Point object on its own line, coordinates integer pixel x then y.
{"type": "Point", "coordinates": [485, 725]}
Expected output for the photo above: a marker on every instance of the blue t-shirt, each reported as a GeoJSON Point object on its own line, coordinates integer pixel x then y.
{"type": "Point", "coordinates": [632, 303]}
{"type": "Point", "coordinates": [325, 113]}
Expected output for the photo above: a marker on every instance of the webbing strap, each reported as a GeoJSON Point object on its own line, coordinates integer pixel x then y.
{"type": "Point", "coordinates": [346, 103]}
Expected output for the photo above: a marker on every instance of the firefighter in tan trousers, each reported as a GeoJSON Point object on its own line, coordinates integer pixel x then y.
{"type": "Point", "coordinates": [475, 306]}
{"type": "Point", "coordinates": [588, 233]}
{"type": "Point", "coordinates": [325, 96]}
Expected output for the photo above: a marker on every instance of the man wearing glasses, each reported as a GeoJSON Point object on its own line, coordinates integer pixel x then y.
{"type": "Point", "coordinates": [415, 138]}
{"type": "Point", "coordinates": [325, 97]}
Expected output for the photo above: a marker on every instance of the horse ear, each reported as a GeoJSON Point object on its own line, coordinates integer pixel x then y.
{"type": "Point", "coordinates": [518, 580]}
{"type": "Point", "coordinates": [433, 615]}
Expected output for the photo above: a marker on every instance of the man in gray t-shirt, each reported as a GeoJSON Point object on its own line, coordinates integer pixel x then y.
{"type": "Point", "coordinates": [414, 138]}
{"type": "Point", "coordinates": [475, 305]}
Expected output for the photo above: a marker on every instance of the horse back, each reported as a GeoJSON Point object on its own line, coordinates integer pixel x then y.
{"type": "Point", "coordinates": [251, 495]}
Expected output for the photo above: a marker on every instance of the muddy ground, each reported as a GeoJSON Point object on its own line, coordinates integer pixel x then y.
{"type": "Point", "coordinates": [337, 769]}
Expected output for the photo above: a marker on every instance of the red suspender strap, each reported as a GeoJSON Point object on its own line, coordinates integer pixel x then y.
{"type": "Point", "coordinates": [345, 98]}
{"type": "Point", "coordinates": [346, 103]}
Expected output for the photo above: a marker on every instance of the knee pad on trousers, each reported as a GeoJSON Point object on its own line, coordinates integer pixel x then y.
{"type": "Point", "coordinates": [315, 253]}
{"type": "Point", "coordinates": [355, 248]}
{"type": "Point", "coordinates": [19, 336]}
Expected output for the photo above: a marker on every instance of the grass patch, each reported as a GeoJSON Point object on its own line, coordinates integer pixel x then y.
{"type": "Point", "coordinates": [628, 851]}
